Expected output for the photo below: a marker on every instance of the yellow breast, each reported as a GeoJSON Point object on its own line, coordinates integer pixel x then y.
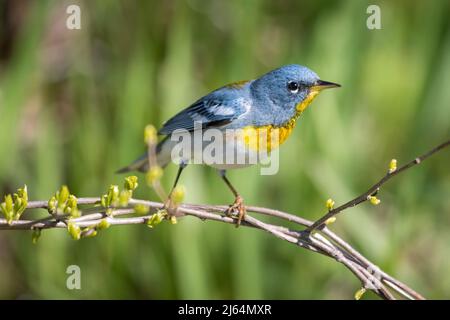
{"type": "Point", "coordinates": [267, 138]}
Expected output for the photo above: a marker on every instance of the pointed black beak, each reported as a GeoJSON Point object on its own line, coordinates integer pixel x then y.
{"type": "Point", "coordinates": [321, 84]}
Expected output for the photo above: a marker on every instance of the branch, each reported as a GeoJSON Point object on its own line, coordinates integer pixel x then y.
{"type": "Point", "coordinates": [327, 243]}
{"type": "Point", "coordinates": [375, 188]}
{"type": "Point", "coordinates": [119, 208]}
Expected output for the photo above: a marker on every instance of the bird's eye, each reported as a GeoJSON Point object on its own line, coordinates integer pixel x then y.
{"type": "Point", "coordinates": [293, 86]}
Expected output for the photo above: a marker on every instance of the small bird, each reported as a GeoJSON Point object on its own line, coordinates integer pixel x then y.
{"type": "Point", "coordinates": [242, 111]}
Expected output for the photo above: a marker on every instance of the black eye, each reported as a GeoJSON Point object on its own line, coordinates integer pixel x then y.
{"type": "Point", "coordinates": [293, 86]}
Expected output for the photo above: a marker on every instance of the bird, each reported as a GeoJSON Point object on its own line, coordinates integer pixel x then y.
{"type": "Point", "coordinates": [242, 113]}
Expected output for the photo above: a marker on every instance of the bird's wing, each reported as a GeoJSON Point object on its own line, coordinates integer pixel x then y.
{"type": "Point", "coordinates": [214, 110]}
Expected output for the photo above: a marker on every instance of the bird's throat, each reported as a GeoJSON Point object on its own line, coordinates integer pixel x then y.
{"type": "Point", "coordinates": [306, 102]}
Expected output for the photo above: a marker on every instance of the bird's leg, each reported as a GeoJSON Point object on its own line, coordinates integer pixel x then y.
{"type": "Point", "coordinates": [168, 204]}
{"type": "Point", "coordinates": [237, 208]}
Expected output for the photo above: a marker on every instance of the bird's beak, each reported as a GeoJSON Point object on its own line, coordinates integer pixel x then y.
{"type": "Point", "coordinates": [321, 85]}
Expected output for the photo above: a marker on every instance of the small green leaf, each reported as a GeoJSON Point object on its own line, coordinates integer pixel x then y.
{"type": "Point", "coordinates": [23, 192]}
{"type": "Point", "coordinates": [374, 200]}
{"type": "Point", "coordinates": [393, 165]}
{"type": "Point", "coordinates": [330, 204]}
{"type": "Point", "coordinates": [72, 202]}
{"type": "Point", "coordinates": [103, 224]}
{"type": "Point", "coordinates": [74, 230]}
{"type": "Point", "coordinates": [104, 201]}
{"type": "Point", "coordinates": [156, 218]}
{"type": "Point", "coordinates": [178, 194]}
{"type": "Point", "coordinates": [141, 209]}
{"type": "Point", "coordinates": [75, 213]}
{"type": "Point", "coordinates": [51, 205]}
{"type": "Point", "coordinates": [35, 236]}
{"type": "Point", "coordinates": [8, 208]}
{"type": "Point", "coordinates": [360, 293]}
{"type": "Point", "coordinates": [150, 135]}
{"type": "Point", "coordinates": [20, 202]}
{"type": "Point", "coordinates": [154, 174]}
{"type": "Point", "coordinates": [8, 204]}
{"type": "Point", "coordinates": [173, 220]}
{"type": "Point", "coordinates": [62, 196]}
{"type": "Point", "coordinates": [113, 195]}
{"type": "Point", "coordinates": [131, 183]}
{"type": "Point", "coordinates": [124, 197]}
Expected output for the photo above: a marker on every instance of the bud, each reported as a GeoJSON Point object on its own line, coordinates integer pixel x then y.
{"type": "Point", "coordinates": [75, 213]}
{"type": "Point", "coordinates": [154, 174]}
{"type": "Point", "coordinates": [360, 293]}
{"type": "Point", "coordinates": [23, 192]}
{"type": "Point", "coordinates": [156, 218]}
{"type": "Point", "coordinates": [330, 220]}
{"type": "Point", "coordinates": [392, 165]}
{"type": "Point", "coordinates": [35, 236]}
{"type": "Point", "coordinates": [178, 193]}
{"type": "Point", "coordinates": [104, 201]}
{"type": "Point", "coordinates": [131, 183]}
{"type": "Point", "coordinates": [20, 204]}
{"type": "Point", "coordinates": [103, 224]}
{"type": "Point", "coordinates": [173, 220]}
{"type": "Point", "coordinates": [330, 204]}
{"type": "Point", "coordinates": [141, 209]}
{"type": "Point", "coordinates": [8, 209]}
{"type": "Point", "coordinates": [62, 196]}
{"type": "Point", "coordinates": [113, 195]}
{"type": "Point", "coordinates": [51, 205]}
{"type": "Point", "coordinates": [74, 230]}
{"type": "Point", "coordinates": [7, 206]}
{"type": "Point", "coordinates": [71, 205]}
{"type": "Point", "coordinates": [150, 135]}
{"type": "Point", "coordinates": [374, 200]}
{"type": "Point", "coordinates": [111, 198]}
{"type": "Point", "coordinates": [124, 197]}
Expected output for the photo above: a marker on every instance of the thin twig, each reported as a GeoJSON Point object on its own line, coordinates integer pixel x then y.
{"type": "Point", "coordinates": [326, 242]}
{"type": "Point", "coordinates": [364, 197]}
{"type": "Point", "coordinates": [153, 163]}
{"type": "Point", "coordinates": [329, 244]}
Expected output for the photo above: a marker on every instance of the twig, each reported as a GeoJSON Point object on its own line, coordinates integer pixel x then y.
{"type": "Point", "coordinates": [327, 244]}
{"type": "Point", "coordinates": [373, 189]}
{"type": "Point", "coordinates": [151, 141]}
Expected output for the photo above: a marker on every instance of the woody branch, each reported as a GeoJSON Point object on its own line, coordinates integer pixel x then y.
{"type": "Point", "coordinates": [84, 217]}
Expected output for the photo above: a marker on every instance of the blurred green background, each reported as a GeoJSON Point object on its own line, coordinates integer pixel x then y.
{"type": "Point", "coordinates": [73, 105]}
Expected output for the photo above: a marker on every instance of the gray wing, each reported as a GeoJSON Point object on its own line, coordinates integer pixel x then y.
{"type": "Point", "coordinates": [207, 112]}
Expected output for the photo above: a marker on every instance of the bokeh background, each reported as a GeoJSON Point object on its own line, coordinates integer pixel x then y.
{"type": "Point", "coordinates": [73, 105]}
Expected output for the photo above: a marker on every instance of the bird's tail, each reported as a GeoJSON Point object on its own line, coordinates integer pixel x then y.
{"type": "Point", "coordinates": [163, 153]}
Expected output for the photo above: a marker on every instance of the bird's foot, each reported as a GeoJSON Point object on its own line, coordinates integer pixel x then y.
{"type": "Point", "coordinates": [237, 209]}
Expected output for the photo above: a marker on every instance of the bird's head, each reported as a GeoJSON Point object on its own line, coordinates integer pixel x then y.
{"type": "Point", "coordinates": [290, 88]}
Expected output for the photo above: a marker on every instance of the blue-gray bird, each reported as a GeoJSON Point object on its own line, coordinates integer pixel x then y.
{"type": "Point", "coordinates": [247, 117]}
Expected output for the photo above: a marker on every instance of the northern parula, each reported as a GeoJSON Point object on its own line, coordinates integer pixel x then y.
{"type": "Point", "coordinates": [240, 111]}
